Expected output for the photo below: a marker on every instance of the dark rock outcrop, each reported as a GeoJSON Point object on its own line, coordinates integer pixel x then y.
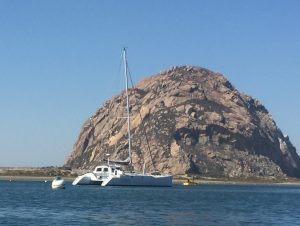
{"type": "Point", "coordinates": [195, 122]}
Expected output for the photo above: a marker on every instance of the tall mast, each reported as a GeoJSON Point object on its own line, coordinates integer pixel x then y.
{"type": "Point", "coordinates": [127, 103]}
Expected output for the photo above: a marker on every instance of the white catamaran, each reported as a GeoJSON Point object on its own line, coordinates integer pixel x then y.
{"type": "Point", "coordinates": [112, 174]}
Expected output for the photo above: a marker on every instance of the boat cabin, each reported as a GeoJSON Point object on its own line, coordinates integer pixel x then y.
{"type": "Point", "coordinates": [107, 170]}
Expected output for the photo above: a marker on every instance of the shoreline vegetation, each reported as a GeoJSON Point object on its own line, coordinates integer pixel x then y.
{"type": "Point", "coordinates": [48, 173]}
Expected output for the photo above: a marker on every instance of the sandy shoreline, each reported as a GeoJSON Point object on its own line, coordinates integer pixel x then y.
{"type": "Point", "coordinates": [31, 178]}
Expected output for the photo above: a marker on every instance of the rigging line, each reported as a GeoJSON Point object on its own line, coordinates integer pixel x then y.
{"type": "Point", "coordinates": [143, 128]}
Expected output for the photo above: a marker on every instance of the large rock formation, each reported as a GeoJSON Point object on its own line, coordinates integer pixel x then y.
{"type": "Point", "coordinates": [195, 121]}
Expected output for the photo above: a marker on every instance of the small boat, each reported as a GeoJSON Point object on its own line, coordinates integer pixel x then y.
{"type": "Point", "coordinates": [189, 183]}
{"type": "Point", "coordinates": [186, 183]}
{"type": "Point", "coordinates": [58, 182]}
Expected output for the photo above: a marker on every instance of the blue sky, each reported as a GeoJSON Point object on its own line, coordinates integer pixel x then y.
{"type": "Point", "coordinates": [59, 61]}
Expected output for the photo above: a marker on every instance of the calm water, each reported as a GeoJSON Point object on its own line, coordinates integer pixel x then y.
{"type": "Point", "coordinates": [35, 203]}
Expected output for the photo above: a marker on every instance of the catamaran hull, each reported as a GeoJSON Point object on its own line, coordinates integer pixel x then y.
{"type": "Point", "coordinates": [139, 180]}
{"type": "Point", "coordinates": [87, 179]}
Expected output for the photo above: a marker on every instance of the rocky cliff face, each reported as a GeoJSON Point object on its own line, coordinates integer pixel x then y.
{"type": "Point", "coordinates": [196, 122]}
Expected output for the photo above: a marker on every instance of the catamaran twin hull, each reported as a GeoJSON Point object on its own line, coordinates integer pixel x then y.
{"type": "Point", "coordinates": [112, 175]}
{"type": "Point", "coordinates": [87, 179]}
{"type": "Point", "coordinates": [138, 180]}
